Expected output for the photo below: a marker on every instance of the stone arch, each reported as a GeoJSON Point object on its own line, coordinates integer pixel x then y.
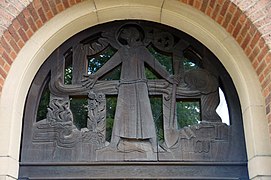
{"type": "Point", "coordinates": [37, 46]}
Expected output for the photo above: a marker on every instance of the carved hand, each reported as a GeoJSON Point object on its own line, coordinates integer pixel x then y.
{"type": "Point", "coordinates": [89, 81]}
{"type": "Point", "coordinates": [174, 79]}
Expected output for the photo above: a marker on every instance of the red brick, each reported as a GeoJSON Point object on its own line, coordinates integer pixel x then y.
{"type": "Point", "coordinates": [255, 64]}
{"type": "Point", "coordinates": [248, 50]}
{"type": "Point", "coordinates": [7, 68]}
{"type": "Point", "coordinates": [252, 30]}
{"type": "Point", "coordinates": [14, 46]}
{"type": "Point", "coordinates": [29, 33]}
{"type": "Point", "coordinates": [260, 69]}
{"type": "Point", "coordinates": [13, 33]}
{"type": "Point", "coordinates": [1, 50]}
{"type": "Point", "coordinates": [264, 51]}
{"type": "Point", "coordinates": [5, 45]}
{"type": "Point", "coordinates": [197, 4]}
{"type": "Point", "coordinates": [254, 54]}
{"type": "Point", "coordinates": [246, 41]}
{"type": "Point", "coordinates": [265, 83]}
{"type": "Point", "coordinates": [255, 40]}
{"type": "Point", "coordinates": [266, 92]}
{"type": "Point", "coordinates": [22, 22]}
{"type": "Point", "coordinates": [216, 11]}
{"type": "Point", "coordinates": [53, 7]}
{"type": "Point", "coordinates": [242, 18]}
{"type": "Point", "coordinates": [45, 6]}
{"type": "Point", "coordinates": [23, 35]}
{"type": "Point", "coordinates": [7, 35]}
{"type": "Point", "coordinates": [209, 11]}
{"type": "Point", "coordinates": [268, 99]}
{"type": "Point", "coordinates": [261, 42]}
{"type": "Point", "coordinates": [219, 20]}
{"type": "Point", "coordinates": [60, 8]}
{"type": "Point", "coordinates": [42, 15]}
{"type": "Point", "coordinates": [190, 2]}
{"type": "Point", "coordinates": [1, 81]}
{"type": "Point", "coordinates": [204, 5]}
{"type": "Point", "coordinates": [16, 24]}
{"type": "Point", "coordinates": [224, 8]}
{"type": "Point", "coordinates": [7, 58]}
{"type": "Point", "coordinates": [232, 8]}
{"type": "Point", "coordinates": [268, 58]}
{"type": "Point", "coordinates": [230, 28]}
{"type": "Point", "coordinates": [237, 30]}
{"type": "Point", "coordinates": [32, 25]}
{"type": "Point", "coordinates": [245, 28]}
{"type": "Point", "coordinates": [267, 70]}
{"type": "Point", "coordinates": [236, 16]}
{"type": "Point", "coordinates": [3, 73]}
{"type": "Point", "coordinates": [13, 55]}
{"type": "Point", "coordinates": [212, 3]}
{"type": "Point", "coordinates": [66, 3]}
{"type": "Point", "coordinates": [71, 2]}
{"type": "Point", "coordinates": [33, 12]}
{"type": "Point", "coordinates": [239, 39]}
{"type": "Point", "coordinates": [39, 23]}
{"type": "Point", "coordinates": [227, 20]}
{"type": "Point", "coordinates": [49, 15]}
{"type": "Point", "coordinates": [20, 44]}
{"type": "Point", "coordinates": [26, 13]}
{"type": "Point", "coordinates": [36, 4]}
{"type": "Point", "coordinates": [2, 62]}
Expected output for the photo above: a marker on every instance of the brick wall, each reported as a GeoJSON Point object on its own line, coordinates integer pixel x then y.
{"type": "Point", "coordinates": [248, 21]}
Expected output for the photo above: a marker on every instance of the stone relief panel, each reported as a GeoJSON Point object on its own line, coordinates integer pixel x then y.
{"type": "Point", "coordinates": [142, 74]}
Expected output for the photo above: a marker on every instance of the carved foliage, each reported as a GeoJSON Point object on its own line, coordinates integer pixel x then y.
{"type": "Point", "coordinates": [97, 114]}
{"type": "Point", "coordinates": [58, 127]}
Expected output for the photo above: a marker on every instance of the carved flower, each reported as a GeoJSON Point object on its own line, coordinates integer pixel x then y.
{"type": "Point", "coordinates": [100, 97]}
{"type": "Point", "coordinates": [91, 95]}
{"type": "Point", "coordinates": [92, 104]}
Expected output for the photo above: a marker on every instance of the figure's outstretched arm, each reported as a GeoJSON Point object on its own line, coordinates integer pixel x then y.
{"type": "Point", "coordinates": [90, 80]}
{"type": "Point", "coordinates": [156, 66]}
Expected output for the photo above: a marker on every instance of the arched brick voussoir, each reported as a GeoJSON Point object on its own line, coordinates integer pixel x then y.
{"type": "Point", "coordinates": [248, 21]}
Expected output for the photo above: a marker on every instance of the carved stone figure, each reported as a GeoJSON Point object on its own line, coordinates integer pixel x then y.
{"type": "Point", "coordinates": [133, 118]}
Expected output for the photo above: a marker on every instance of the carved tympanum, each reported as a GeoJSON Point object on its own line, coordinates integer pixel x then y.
{"type": "Point", "coordinates": [134, 132]}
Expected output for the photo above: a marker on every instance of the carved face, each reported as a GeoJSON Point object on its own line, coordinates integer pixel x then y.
{"type": "Point", "coordinates": [125, 34]}
{"type": "Point", "coordinates": [129, 35]}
